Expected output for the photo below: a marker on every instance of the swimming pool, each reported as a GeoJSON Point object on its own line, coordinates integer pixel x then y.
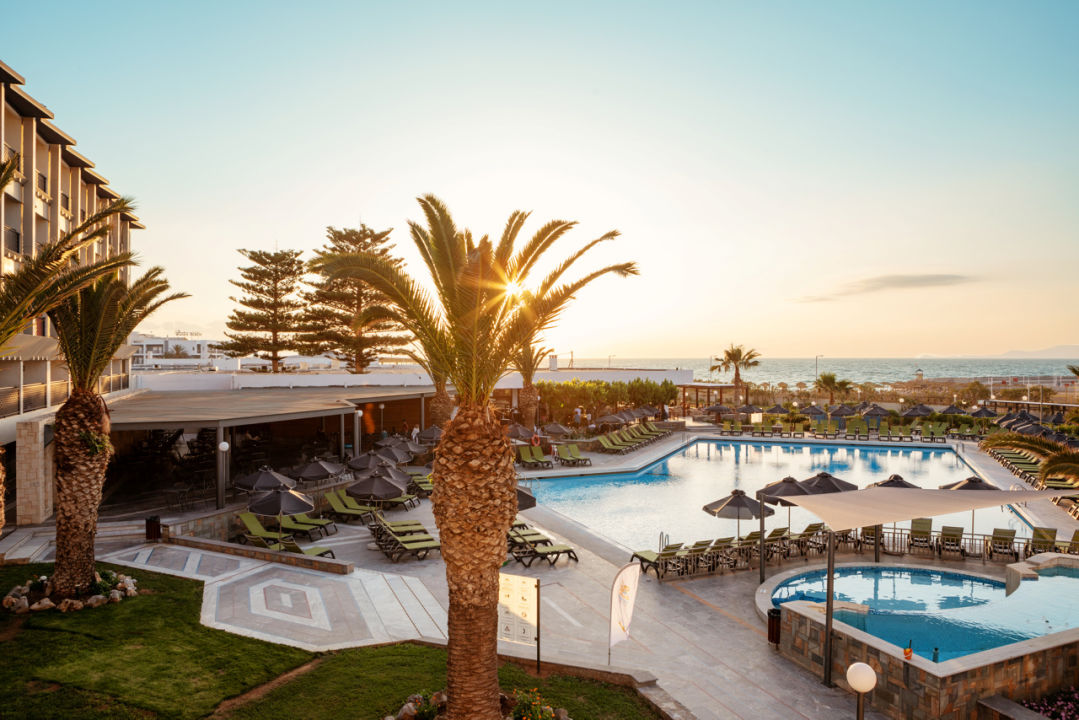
{"type": "Point", "coordinates": [955, 613]}
{"type": "Point", "coordinates": [667, 496]}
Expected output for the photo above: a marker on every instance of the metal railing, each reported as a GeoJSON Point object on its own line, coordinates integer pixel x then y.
{"type": "Point", "coordinates": [33, 397]}
{"type": "Point", "coordinates": [59, 390]}
{"type": "Point", "coordinates": [9, 401]}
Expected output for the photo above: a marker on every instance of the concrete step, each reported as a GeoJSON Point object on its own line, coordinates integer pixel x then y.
{"type": "Point", "coordinates": [12, 541]}
{"type": "Point", "coordinates": [30, 550]}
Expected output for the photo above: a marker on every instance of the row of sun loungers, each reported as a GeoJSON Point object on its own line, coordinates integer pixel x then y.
{"type": "Point", "coordinates": [630, 438]}
{"type": "Point", "coordinates": [527, 545]}
{"type": "Point", "coordinates": [534, 457]}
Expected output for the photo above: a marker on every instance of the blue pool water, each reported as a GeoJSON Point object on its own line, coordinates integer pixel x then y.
{"type": "Point", "coordinates": [634, 508]}
{"type": "Point", "coordinates": [956, 613]}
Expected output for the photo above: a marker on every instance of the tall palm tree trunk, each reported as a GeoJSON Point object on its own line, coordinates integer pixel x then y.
{"type": "Point", "coordinates": [527, 403]}
{"type": "Point", "coordinates": [474, 504]}
{"type": "Point", "coordinates": [3, 488]}
{"type": "Point", "coordinates": [441, 405]}
{"type": "Point", "coordinates": [82, 456]}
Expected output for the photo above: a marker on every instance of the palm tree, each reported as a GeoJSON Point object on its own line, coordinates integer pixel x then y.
{"type": "Point", "coordinates": [1058, 460]}
{"type": "Point", "coordinates": [469, 332]}
{"type": "Point", "coordinates": [737, 358]}
{"type": "Point", "coordinates": [826, 382]}
{"type": "Point", "coordinates": [49, 277]}
{"type": "Point", "coordinates": [527, 361]}
{"type": "Point", "coordinates": [91, 326]}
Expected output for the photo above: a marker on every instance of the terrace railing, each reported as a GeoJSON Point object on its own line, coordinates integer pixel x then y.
{"type": "Point", "coordinates": [33, 396]}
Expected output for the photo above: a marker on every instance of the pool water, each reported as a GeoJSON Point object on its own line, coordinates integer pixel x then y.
{"type": "Point", "coordinates": [666, 497]}
{"type": "Point", "coordinates": [953, 613]}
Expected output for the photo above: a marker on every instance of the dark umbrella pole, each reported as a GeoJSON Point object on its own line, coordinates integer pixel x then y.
{"type": "Point", "coordinates": [761, 543]}
{"type": "Point", "coordinates": [876, 543]}
{"type": "Point", "coordinates": [829, 608]}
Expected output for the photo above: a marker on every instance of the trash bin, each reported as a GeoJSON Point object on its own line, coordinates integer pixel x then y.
{"type": "Point", "coordinates": [153, 528]}
{"type": "Point", "coordinates": [773, 626]}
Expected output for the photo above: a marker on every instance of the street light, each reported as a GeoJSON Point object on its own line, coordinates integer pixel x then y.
{"type": "Point", "coordinates": [357, 435]}
{"type": "Point", "coordinates": [381, 417]}
{"type": "Point", "coordinates": [862, 680]}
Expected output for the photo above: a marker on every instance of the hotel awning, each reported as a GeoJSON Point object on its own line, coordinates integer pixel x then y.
{"type": "Point", "coordinates": [29, 348]}
{"type": "Point", "coordinates": [881, 505]}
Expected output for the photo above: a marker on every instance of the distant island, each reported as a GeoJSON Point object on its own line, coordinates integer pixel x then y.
{"type": "Point", "coordinates": [1057, 352]}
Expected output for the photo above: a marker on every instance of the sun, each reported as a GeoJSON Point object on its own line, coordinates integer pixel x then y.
{"type": "Point", "coordinates": [514, 288]}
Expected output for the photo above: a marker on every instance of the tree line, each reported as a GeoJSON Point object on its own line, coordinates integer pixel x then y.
{"type": "Point", "coordinates": [289, 304]}
{"type": "Point", "coordinates": [599, 397]}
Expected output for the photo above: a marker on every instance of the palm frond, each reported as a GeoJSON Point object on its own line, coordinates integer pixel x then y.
{"type": "Point", "coordinates": [1063, 464]}
{"type": "Point", "coordinates": [1039, 446]}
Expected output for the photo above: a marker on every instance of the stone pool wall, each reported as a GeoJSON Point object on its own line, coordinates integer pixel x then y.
{"type": "Point", "coordinates": [922, 690]}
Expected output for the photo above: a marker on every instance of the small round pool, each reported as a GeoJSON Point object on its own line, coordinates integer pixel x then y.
{"type": "Point", "coordinates": [943, 614]}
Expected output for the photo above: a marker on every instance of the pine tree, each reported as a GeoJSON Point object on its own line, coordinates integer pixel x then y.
{"type": "Point", "coordinates": [270, 324]}
{"type": "Point", "coordinates": [344, 315]}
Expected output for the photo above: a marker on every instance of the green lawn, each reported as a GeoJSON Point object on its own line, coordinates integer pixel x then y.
{"type": "Point", "coordinates": [148, 657]}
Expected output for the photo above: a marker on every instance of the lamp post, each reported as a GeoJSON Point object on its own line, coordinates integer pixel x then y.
{"type": "Point", "coordinates": [382, 417]}
{"type": "Point", "coordinates": [222, 470]}
{"type": "Point", "coordinates": [862, 679]}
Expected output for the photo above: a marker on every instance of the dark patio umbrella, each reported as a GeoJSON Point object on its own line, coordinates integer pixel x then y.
{"type": "Point", "coordinates": [776, 410]}
{"type": "Point", "coordinates": [773, 493]}
{"type": "Point", "coordinates": [319, 470]}
{"type": "Point", "coordinates": [895, 481]}
{"type": "Point", "coordinates": [718, 409]}
{"type": "Point", "coordinates": [525, 498]}
{"type": "Point", "coordinates": [626, 415]}
{"type": "Point", "coordinates": [264, 479]}
{"type": "Point", "coordinates": [983, 412]}
{"type": "Point", "coordinates": [971, 483]}
{"type": "Point", "coordinates": [375, 487]}
{"type": "Point", "coordinates": [842, 411]}
{"type": "Point", "coordinates": [1056, 419]}
{"type": "Point", "coordinates": [391, 440]}
{"type": "Point", "coordinates": [811, 410]}
{"type": "Point", "coordinates": [393, 454]}
{"type": "Point", "coordinates": [953, 410]}
{"type": "Point", "coordinates": [431, 435]}
{"type": "Point", "coordinates": [279, 502]}
{"type": "Point", "coordinates": [610, 420]}
{"type": "Point", "coordinates": [1032, 429]}
{"type": "Point", "coordinates": [824, 482]}
{"type": "Point", "coordinates": [556, 429]}
{"type": "Point", "coordinates": [737, 505]}
{"type": "Point", "coordinates": [918, 411]}
{"type": "Point", "coordinates": [749, 409]}
{"type": "Point", "coordinates": [414, 448]}
{"type": "Point", "coordinates": [367, 461]}
{"type": "Point", "coordinates": [397, 475]}
{"type": "Point", "coordinates": [650, 410]}
{"type": "Point", "coordinates": [875, 411]}
{"type": "Point", "coordinates": [862, 406]}
{"type": "Point", "coordinates": [518, 431]}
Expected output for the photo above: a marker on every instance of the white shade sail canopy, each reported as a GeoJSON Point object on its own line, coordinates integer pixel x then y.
{"type": "Point", "coordinates": [880, 505]}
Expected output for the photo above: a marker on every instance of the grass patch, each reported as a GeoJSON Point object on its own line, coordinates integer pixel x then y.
{"type": "Point", "coordinates": [374, 682]}
{"type": "Point", "coordinates": [144, 657]}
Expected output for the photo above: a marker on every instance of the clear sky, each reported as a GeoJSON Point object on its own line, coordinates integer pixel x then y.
{"type": "Point", "coordinates": [846, 178]}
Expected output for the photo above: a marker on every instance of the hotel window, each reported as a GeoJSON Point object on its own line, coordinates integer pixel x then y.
{"type": "Point", "coordinates": [11, 239]}
{"type": "Point", "coordinates": [65, 201]}
{"type": "Point", "coordinates": [42, 182]}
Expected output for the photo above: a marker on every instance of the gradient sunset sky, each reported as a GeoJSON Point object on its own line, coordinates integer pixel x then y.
{"type": "Point", "coordinates": [845, 178]}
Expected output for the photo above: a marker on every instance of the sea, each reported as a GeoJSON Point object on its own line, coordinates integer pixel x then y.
{"type": "Point", "coordinates": [858, 370]}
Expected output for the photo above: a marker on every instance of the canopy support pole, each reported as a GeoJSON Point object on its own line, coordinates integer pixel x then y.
{"type": "Point", "coordinates": [341, 436]}
{"type": "Point", "coordinates": [356, 434]}
{"type": "Point", "coordinates": [828, 610]}
{"type": "Point", "coordinates": [760, 499]}
{"type": "Point", "coordinates": [876, 544]}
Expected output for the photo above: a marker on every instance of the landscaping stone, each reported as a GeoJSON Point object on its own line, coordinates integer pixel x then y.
{"type": "Point", "coordinates": [22, 606]}
{"type": "Point", "coordinates": [407, 712]}
{"type": "Point", "coordinates": [96, 601]}
{"type": "Point", "coordinates": [43, 604]}
{"type": "Point", "coordinates": [561, 714]}
{"type": "Point", "coordinates": [506, 703]}
{"type": "Point", "coordinates": [131, 592]}
{"type": "Point", "coordinates": [10, 600]}
{"type": "Point", "coordinates": [116, 596]}
{"type": "Point", "coordinates": [69, 605]}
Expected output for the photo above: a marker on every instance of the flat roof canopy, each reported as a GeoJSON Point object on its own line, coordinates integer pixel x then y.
{"type": "Point", "coordinates": [155, 410]}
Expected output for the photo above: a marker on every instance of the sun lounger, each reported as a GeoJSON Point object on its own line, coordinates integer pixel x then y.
{"type": "Point", "coordinates": [524, 456]}
{"type": "Point", "coordinates": [328, 526]}
{"type": "Point", "coordinates": [653, 428]}
{"type": "Point", "coordinates": [314, 551]}
{"type": "Point", "coordinates": [798, 430]}
{"type": "Point", "coordinates": [1044, 540]}
{"type": "Point", "coordinates": [1002, 542]}
{"type": "Point", "coordinates": [921, 533]}
{"type": "Point", "coordinates": [528, 553]}
{"type": "Point", "coordinates": [726, 428]}
{"type": "Point", "coordinates": [563, 456]}
{"type": "Point", "coordinates": [1072, 548]}
{"type": "Point", "coordinates": [809, 539]}
{"type": "Point", "coordinates": [255, 528]}
{"type": "Point", "coordinates": [397, 547]}
{"type": "Point", "coordinates": [541, 458]}
{"type": "Point", "coordinates": [339, 510]}
{"type": "Point", "coordinates": [261, 542]}
{"type": "Point", "coordinates": [655, 561]}
{"type": "Point", "coordinates": [576, 453]}
{"type": "Point", "coordinates": [777, 542]}
{"type": "Point", "coordinates": [299, 528]}
{"type": "Point", "coordinates": [951, 540]}
{"type": "Point", "coordinates": [607, 446]}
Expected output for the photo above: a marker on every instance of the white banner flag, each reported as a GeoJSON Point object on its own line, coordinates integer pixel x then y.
{"type": "Point", "coordinates": [623, 595]}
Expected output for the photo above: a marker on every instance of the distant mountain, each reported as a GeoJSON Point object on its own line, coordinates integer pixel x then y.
{"type": "Point", "coordinates": [1057, 352]}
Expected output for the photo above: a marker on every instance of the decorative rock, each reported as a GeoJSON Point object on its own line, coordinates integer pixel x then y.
{"type": "Point", "coordinates": [10, 600]}
{"type": "Point", "coordinates": [415, 699]}
{"type": "Point", "coordinates": [43, 604]}
{"type": "Point", "coordinates": [561, 714]}
{"type": "Point", "coordinates": [506, 703]}
{"type": "Point", "coordinates": [439, 699]}
{"type": "Point", "coordinates": [22, 605]}
{"type": "Point", "coordinates": [96, 601]}
{"type": "Point", "coordinates": [407, 712]}
{"type": "Point", "coordinates": [131, 592]}
{"type": "Point", "coordinates": [116, 596]}
{"type": "Point", "coordinates": [69, 605]}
